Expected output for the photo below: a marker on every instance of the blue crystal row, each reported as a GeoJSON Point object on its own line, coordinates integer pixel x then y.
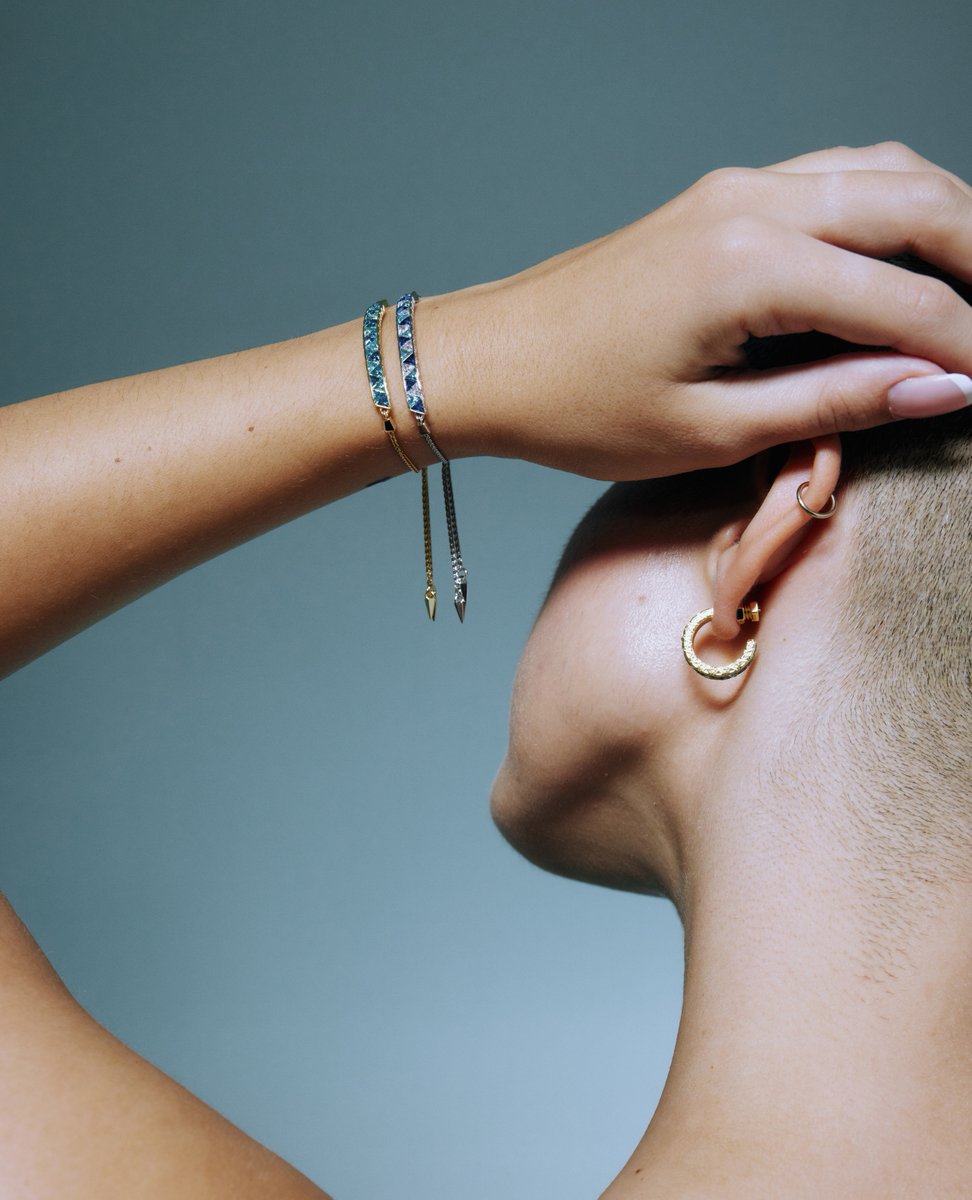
{"type": "Point", "coordinates": [404, 317]}
{"type": "Point", "coordinates": [376, 376]}
{"type": "Point", "coordinates": [404, 310]}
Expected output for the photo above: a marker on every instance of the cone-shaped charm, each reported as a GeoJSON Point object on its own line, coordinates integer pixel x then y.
{"type": "Point", "coordinates": [459, 597]}
{"type": "Point", "coordinates": [430, 602]}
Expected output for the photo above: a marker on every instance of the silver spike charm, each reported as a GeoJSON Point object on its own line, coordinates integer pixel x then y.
{"type": "Point", "coordinates": [404, 312]}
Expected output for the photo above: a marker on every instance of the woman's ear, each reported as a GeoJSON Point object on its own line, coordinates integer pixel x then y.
{"type": "Point", "coordinates": [766, 542]}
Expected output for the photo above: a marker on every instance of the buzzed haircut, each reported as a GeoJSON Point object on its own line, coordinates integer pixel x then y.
{"type": "Point", "coordinates": [882, 749]}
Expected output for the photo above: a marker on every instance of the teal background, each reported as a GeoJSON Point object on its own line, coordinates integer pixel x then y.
{"type": "Point", "coordinates": [246, 817]}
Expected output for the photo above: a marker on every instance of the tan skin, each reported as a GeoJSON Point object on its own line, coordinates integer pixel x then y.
{"type": "Point", "coordinates": [618, 359]}
{"type": "Point", "coordinates": [820, 1053]}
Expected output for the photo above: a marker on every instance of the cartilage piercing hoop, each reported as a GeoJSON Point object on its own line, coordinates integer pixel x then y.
{"type": "Point", "coordinates": [825, 513]}
{"type": "Point", "coordinates": [747, 612]}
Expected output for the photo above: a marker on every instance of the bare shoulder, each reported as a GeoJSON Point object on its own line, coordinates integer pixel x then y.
{"type": "Point", "coordinates": [82, 1115]}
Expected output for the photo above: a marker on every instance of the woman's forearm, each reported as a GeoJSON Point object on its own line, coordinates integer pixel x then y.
{"type": "Point", "coordinates": [108, 490]}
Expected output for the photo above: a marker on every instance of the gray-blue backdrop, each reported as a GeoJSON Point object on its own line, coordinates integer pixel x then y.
{"type": "Point", "coordinates": [299, 910]}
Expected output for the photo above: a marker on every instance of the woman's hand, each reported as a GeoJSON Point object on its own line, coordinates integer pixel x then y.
{"type": "Point", "coordinates": [623, 357]}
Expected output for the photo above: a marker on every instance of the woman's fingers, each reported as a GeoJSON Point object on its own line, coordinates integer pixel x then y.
{"type": "Point", "coordinates": [752, 410]}
{"type": "Point", "coordinates": [883, 156]}
{"type": "Point", "coordinates": [796, 284]}
{"type": "Point", "coordinates": [871, 212]}
{"type": "Point", "coordinates": [923, 213]}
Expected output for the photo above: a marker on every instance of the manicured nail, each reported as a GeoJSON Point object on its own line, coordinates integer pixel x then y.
{"type": "Point", "coordinates": [930, 395]}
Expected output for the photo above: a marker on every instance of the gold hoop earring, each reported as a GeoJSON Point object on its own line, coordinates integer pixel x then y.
{"type": "Point", "coordinates": [825, 513]}
{"type": "Point", "coordinates": [749, 612]}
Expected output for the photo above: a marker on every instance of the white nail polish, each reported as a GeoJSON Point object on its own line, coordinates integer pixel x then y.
{"type": "Point", "coordinates": [930, 395]}
{"type": "Point", "coordinates": [965, 384]}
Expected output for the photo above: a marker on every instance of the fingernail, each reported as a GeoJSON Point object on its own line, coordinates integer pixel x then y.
{"type": "Point", "coordinates": [930, 395]}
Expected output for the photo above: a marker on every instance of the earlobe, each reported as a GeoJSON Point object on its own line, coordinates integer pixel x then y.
{"type": "Point", "coordinates": [769, 539]}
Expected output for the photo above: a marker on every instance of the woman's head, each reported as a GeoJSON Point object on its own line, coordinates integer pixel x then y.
{"type": "Point", "coordinates": [619, 754]}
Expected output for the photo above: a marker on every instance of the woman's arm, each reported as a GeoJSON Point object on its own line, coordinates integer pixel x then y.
{"type": "Point", "coordinates": [108, 490]}
{"type": "Point", "coordinates": [619, 359]}
{"type": "Point", "coordinates": [84, 1117]}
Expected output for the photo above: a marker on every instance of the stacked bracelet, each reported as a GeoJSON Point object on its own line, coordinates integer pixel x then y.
{"type": "Point", "coordinates": [379, 394]}
{"type": "Point", "coordinates": [404, 325]}
{"type": "Point", "coordinates": [376, 374]}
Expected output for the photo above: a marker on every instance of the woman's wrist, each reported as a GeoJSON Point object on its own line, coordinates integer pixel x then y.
{"type": "Point", "coordinates": [468, 351]}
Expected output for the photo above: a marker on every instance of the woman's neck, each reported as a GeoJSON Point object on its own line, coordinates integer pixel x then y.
{"type": "Point", "coordinates": [825, 1046]}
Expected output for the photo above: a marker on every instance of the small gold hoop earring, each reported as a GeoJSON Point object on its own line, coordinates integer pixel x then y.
{"type": "Point", "coordinates": [825, 513]}
{"type": "Point", "coordinates": [749, 612]}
